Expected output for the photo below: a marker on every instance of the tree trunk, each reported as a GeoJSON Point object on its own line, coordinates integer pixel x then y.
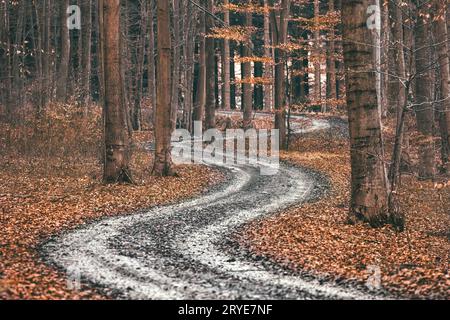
{"type": "Point", "coordinates": [424, 96]}
{"type": "Point", "coordinates": [441, 37]}
{"type": "Point", "coordinates": [210, 107]}
{"type": "Point", "coordinates": [403, 86]}
{"type": "Point", "coordinates": [386, 36]}
{"type": "Point", "coordinates": [226, 103]}
{"type": "Point", "coordinates": [177, 47]}
{"type": "Point", "coordinates": [101, 52]}
{"type": "Point", "coordinates": [86, 12]}
{"type": "Point", "coordinates": [331, 58]}
{"type": "Point", "coordinates": [200, 100]}
{"type": "Point", "coordinates": [280, 38]}
{"type": "Point", "coordinates": [117, 139]}
{"type": "Point", "coordinates": [369, 196]}
{"type": "Point", "coordinates": [151, 56]}
{"type": "Point", "coordinates": [163, 119]}
{"type": "Point", "coordinates": [247, 95]}
{"type": "Point", "coordinates": [268, 70]}
{"type": "Point", "coordinates": [317, 53]}
{"type": "Point", "coordinates": [189, 45]}
{"type": "Point", "coordinates": [63, 70]}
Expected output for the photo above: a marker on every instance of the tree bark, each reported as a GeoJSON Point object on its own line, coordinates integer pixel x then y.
{"type": "Point", "coordinates": [163, 119]}
{"type": "Point", "coordinates": [280, 38]}
{"type": "Point", "coordinates": [403, 85]}
{"type": "Point", "coordinates": [247, 90]}
{"type": "Point", "coordinates": [331, 58]}
{"type": "Point", "coordinates": [441, 37]}
{"type": "Point", "coordinates": [268, 70]}
{"type": "Point", "coordinates": [200, 100]}
{"type": "Point", "coordinates": [188, 87]}
{"type": "Point", "coordinates": [63, 70]}
{"type": "Point", "coordinates": [317, 52]}
{"type": "Point", "coordinates": [369, 195]}
{"type": "Point", "coordinates": [86, 11]}
{"type": "Point", "coordinates": [177, 47]}
{"type": "Point", "coordinates": [117, 139]}
{"type": "Point", "coordinates": [226, 103]}
{"type": "Point", "coordinates": [424, 96]}
{"type": "Point", "coordinates": [151, 56]}
{"type": "Point", "coordinates": [210, 107]}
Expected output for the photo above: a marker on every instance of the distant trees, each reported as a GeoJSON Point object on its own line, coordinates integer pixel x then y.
{"type": "Point", "coordinates": [273, 55]}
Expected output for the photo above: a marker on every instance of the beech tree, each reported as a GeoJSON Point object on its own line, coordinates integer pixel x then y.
{"type": "Point", "coordinates": [162, 165]}
{"type": "Point", "coordinates": [280, 25]}
{"type": "Point", "coordinates": [63, 68]}
{"type": "Point", "coordinates": [117, 139]}
{"type": "Point", "coordinates": [423, 91]}
{"type": "Point", "coordinates": [210, 102]}
{"type": "Point", "coordinates": [369, 194]}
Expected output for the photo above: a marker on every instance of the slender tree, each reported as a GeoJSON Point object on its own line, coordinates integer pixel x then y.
{"type": "Point", "coordinates": [440, 29]}
{"type": "Point", "coordinates": [163, 165]}
{"type": "Point", "coordinates": [210, 107]}
{"type": "Point", "coordinates": [117, 139]}
{"type": "Point", "coordinates": [424, 95]}
{"type": "Point", "coordinates": [280, 25]}
{"type": "Point", "coordinates": [86, 11]}
{"type": "Point", "coordinates": [226, 103]}
{"type": "Point", "coordinates": [247, 92]}
{"type": "Point", "coordinates": [63, 69]}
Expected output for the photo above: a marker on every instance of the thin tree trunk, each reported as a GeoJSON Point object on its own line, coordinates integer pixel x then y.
{"type": "Point", "coordinates": [117, 139]}
{"type": "Point", "coordinates": [403, 86]}
{"type": "Point", "coordinates": [101, 52]}
{"type": "Point", "coordinates": [424, 96]}
{"type": "Point", "coordinates": [386, 36]}
{"type": "Point", "coordinates": [188, 87]}
{"type": "Point", "coordinates": [163, 119]}
{"type": "Point", "coordinates": [226, 103]}
{"type": "Point", "coordinates": [63, 70]}
{"type": "Point", "coordinates": [210, 107]}
{"type": "Point", "coordinates": [441, 35]}
{"type": "Point", "coordinates": [176, 61]}
{"type": "Point", "coordinates": [247, 95]}
{"type": "Point", "coordinates": [151, 58]}
{"type": "Point", "coordinates": [280, 38]}
{"type": "Point", "coordinates": [317, 53]}
{"type": "Point", "coordinates": [140, 52]}
{"type": "Point", "coordinates": [331, 58]}
{"type": "Point", "coordinates": [268, 70]}
{"type": "Point", "coordinates": [200, 101]}
{"type": "Point", "coordinates": [86, 11]}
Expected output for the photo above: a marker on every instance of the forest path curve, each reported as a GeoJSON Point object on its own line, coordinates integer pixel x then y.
{"type": "Point", "coordinates": [182, 251]}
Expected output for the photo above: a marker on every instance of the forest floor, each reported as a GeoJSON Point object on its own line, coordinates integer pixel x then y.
{"type": "Point", "coordinates": [316, 237]}
{"type": "Point", "coordinates": [43, 197]}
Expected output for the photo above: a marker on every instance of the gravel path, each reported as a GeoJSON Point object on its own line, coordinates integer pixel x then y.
{"type": "Point", "coordinates": [179, 251]}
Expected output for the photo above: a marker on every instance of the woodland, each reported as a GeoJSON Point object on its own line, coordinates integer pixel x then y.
{"type": "Point", "coordinates": [92, 91]}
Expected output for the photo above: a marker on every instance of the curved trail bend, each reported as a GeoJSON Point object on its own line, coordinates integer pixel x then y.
{"type": "Point", "coordinates": [179, 251]}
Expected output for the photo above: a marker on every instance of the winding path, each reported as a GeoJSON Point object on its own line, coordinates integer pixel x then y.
{"type": "Point", "coordinates": [180, 251]}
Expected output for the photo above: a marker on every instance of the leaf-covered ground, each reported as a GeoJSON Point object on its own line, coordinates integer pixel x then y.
{"type": "Point", "coordinates": [41, 197]}
{"type": "Point", "coordinates": [316, 237]}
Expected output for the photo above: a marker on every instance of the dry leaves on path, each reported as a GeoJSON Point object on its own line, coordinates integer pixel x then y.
{"type": "Point", "coordinates": [315, 237]}
{"type": "Point", "coordinates": [39, 199]}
